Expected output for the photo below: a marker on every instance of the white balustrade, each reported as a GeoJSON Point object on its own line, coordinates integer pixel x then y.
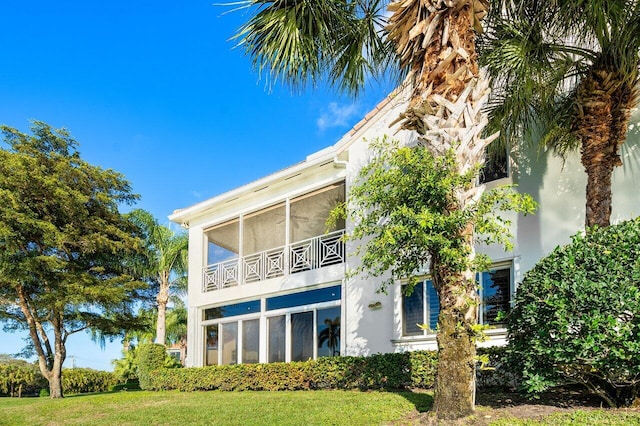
{"type": "Point", "coordinates": [305, 255]}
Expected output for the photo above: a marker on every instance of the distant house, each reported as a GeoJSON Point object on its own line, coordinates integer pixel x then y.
{"type": "Point", "coordinates": [267, 283]}
{"type": "Point", "coordinates": [178, 352]}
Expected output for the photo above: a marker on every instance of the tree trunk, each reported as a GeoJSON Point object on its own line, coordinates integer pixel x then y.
{"type": "Point", "coordinates": [456, 371]}
{"type": "Point", "coordinates": [55, 377]}
{"type": "Point", "coordinates": [603, 116]}
{"type": "Point", "coordinates": [50, 363]}
{"type": "Point", "coordinates": [163, 300]}
{"type": "Point", "coordinates": [55, 384]}
{"type": "Point", "coordinates": [455, 377]}
{"type": "Point", "coordinates": [435, 40]}
{"type": "Point", "coordinates": [183, 350]}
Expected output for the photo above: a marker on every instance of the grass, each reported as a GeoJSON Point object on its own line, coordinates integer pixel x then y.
{"type": "Point", "coordinates": [215, 408]}
{"type": "Point", "coordinates": [578, 418]}
{"type": "Point", "coordinates": [266, 408]}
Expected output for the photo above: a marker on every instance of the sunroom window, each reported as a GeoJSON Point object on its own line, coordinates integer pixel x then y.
{"type": "Point", "coordinates": [309, 212]}
{"type": "Point", "coordinates": [299, 326]}
{"type": "Point", "coordinates": [222, 242]}
{"type": "Point", "coordinates": [264, 229]}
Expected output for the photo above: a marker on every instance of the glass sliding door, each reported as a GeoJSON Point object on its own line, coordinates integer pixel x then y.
{"type": "Point", "coordinates": [211, 345]}
{"type": "Point", "coordinates": [277, 338]}
{"type": "Point", "coordinates": [328, 332]}
{"type": "Point", "coordinates": [251, 341]}
{"type": "Point", "coordinates": [229, 343]}
{"type": "Point", "coordinates": [302, 336]}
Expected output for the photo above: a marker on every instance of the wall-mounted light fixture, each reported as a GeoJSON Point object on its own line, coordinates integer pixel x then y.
{"type": "Point", "coordinates": [375, 305]}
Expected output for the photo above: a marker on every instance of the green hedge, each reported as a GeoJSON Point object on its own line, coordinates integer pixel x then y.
{"type": "Point", "coordinates": [381, 371]}
{"type": "Point", "coordinates": [149, 358]}
{"type": "Point", "coordinates": [86, 380]}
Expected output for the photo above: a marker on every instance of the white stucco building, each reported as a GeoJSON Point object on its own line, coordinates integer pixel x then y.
{"type": "Point", "coordinates": [267, 283]}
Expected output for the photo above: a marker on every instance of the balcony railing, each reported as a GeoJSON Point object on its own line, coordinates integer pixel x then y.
{"type": "Point", "coordinates": [304, 255]}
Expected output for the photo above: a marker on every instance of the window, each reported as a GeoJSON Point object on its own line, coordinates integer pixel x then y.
{"type": "Point", "coordinates": [496, 165]}
{"type": "Point", "coordinates": [251, 341]}
{"type": "Point", "coordinates": [422, 305]}
{"type": "Point", "coordinates": [328, 332]}
{"type": "Point", "coordinates": [229, 343]}
{"type": "Point", "coordinates": [222, 242]}
{"type": "Point", "coordinates": [302, 336]}
{"type": "Point", "coordinates": [309, 212]}
{"type": "Point", "coordinates": [232, 310]}
{"type": "Point", "coordinates": [299, 326]}
{"type": "Point", "coordinates": [495, 292]}
{"type": "Point", "coordinates": [277, 339]}
{"type": "Point", "coordinates": [304, 298]}
{"type": "Point", "coordinates": [310, 332]}
{"type": "Point", "coordinates": [264, 229]}
{"type": "Point", "coordinates": [211, 337]}
{"type": "Point", "coordinates": [222, 338]}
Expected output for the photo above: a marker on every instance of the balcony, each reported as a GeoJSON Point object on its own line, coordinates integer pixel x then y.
{"type": "Point", "coordinates": [305, 255]}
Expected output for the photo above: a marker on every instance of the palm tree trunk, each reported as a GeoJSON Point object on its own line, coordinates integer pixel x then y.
{"type": "Point", "coordinates": [163, 300]}
{"type": "Point", "coordinates": [455, 376]}
{"type": "Point", "coordinates": [435, 40]}
{"type": "Point", "coordinates": [603, 116]}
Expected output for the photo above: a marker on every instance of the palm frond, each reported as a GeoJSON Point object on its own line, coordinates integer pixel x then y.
{"type": "Point", "coordinates": [298, 42]}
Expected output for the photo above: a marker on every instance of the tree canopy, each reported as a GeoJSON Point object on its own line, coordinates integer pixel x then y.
{"type": "Point", "coordinates": [67, 251]}
{"type": "Point", "coordinates": [566, 74]}
{"type": "Point", "coordinates": [401, 207]}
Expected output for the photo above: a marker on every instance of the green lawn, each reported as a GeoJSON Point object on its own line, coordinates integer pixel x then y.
{"type": "Point", "coordinates": [579, 418]}
{"type": "Point", "coordinates": [262, 408]}
{"type": "Point", "coordinates": [215, 408]}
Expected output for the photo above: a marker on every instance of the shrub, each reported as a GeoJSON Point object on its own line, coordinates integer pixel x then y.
{"type": "Point", "coordinates": [125, 368]}
{"type": "Point", "coordinates": [380, 371]}
{"type": "Point", "coordinates": [497, 372]}
{"type": "Point", "coordinates": [86, 380]}
{"type": "Point", "coordinates": [150, 358]}
{"type": "Point", "coordinates": [577, 316]}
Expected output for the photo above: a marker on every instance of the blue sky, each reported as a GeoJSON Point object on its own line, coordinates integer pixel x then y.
{"type": "Point", "coordinates": [156, 91]}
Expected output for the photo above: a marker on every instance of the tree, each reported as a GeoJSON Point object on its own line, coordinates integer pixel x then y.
{"type": "Point", "coordinates": [401, 205]}
{"type": "Point", "coordinates": [434, 42]}
{"type": "Point", "coordinates": [576, 316]}
{"type": "Point", "coordinates": [18, 377]}
{"type": "Point", "coordinates": [568, 70]}
{"type": "Point", "coordinates": [66, 249]}
{"type": "Point", "coordinates": [165, 262]}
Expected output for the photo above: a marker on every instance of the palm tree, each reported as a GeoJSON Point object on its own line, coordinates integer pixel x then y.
{"type": "Point", "coordinates": [166, 263]}
{"type": "Point", "coordinates": [434, 41]}
{"type": "Point", "coordinates": [568, 70]}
